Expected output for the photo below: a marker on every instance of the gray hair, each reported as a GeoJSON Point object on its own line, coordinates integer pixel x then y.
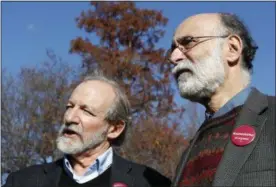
{"type": "Point", "coordinates": [119, 110]}
{"type": "Point", "coordinates": [233, 24]}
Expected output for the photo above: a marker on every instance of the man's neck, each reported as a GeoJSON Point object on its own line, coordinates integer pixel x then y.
{"type": "Point", "coordinates": [82, 161]}
{"type": "Point", "coordinates": [224, 94]}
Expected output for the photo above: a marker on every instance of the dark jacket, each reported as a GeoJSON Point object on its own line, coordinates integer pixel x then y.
{"type": "Point", "coordinates": [253, 164]}
{"type": "Point", "coordinates": [122, 170]}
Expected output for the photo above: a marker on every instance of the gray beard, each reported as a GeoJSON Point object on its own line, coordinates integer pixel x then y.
{"type": "Point", "coordinates": [80, 144]}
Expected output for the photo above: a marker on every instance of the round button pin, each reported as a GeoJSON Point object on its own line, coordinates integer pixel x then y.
{"type": "Point", "coordinates": [243, 135]}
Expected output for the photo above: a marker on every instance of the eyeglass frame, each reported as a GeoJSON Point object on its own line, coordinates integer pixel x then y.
{"type": "Point", "coordinates": [192, 38]}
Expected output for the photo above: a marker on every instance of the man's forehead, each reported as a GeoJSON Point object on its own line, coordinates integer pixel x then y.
{"type": "Point", "coordinates": [198, 25]}
{"type": "Point", "coordinates": [94, 92]}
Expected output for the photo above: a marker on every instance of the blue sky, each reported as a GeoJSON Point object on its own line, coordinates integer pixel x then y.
{"type": "Point", "coordinates": [29, 28]}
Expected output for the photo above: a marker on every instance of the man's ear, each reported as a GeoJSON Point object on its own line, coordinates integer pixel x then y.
{"type": "Point", "coordinates": [234, 50]}
{"type": "Point", "coordinates": [115, 129]}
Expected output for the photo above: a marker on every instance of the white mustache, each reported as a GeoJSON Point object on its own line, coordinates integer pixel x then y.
{"type": "Point", "coordinates": [74, 128]}
{"type": "Point", "coordinates": [184, 64]}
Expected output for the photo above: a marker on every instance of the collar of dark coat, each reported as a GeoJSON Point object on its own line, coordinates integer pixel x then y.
{"type": "Point", "coordinates": [234, 157]}
{"type": "Point", "coordinates": [124, 165]}
{"type": "Point", "coordinates": [120, 171]}
{"type": "Point", "coordinates": [256, 102]}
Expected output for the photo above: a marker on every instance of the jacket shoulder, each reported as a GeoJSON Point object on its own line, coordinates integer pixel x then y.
{"type": "Point", "coordinates": [271, 100]}
{"type": "Point", "coordinates": [34, 169]}
{"type": "Point", "coordinates": [23, 176]}
{"type": "Point", "coordinates": [27, 175]}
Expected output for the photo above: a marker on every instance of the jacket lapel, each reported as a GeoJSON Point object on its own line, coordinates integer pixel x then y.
{"type": "Point", "coordinates": [52, 174]}
{"type": "Point", "coordinates": [120, 170]}
{"type": "Point", "coordinates": [234, 156]}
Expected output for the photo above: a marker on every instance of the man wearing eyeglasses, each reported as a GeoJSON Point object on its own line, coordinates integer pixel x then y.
{"type": "Point", "coordinates": [212, 56]}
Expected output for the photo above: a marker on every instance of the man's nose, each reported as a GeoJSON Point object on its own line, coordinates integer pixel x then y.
{"type": "Point", "coordinates": [177, 56]}
{"type": "Point", "coordinates": [71, 116]}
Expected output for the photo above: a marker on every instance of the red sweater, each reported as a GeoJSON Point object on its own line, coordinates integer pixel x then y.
{"type": "Point", "coordinates": [208, 149]}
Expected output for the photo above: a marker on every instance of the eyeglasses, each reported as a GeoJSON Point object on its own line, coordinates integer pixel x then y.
{"type": "Point", "coordinates": [186, 43]}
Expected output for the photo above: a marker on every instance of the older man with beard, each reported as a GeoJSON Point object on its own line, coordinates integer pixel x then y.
{"type": "Point", "coordinates": [96, 118]}
{"type": "Point", "coordinates": [212, 56]}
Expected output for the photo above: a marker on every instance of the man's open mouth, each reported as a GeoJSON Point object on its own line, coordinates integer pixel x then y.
{"type": "Point", "coordinates": [69, 132]}
{"type": "Point", "coordinates": [178, 73]}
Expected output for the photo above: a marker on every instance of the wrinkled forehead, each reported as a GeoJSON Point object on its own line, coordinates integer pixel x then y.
{"type": "Point", "coordinates": [98, 94]}
{"type": "Point", "coordinates": [200, 25]}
